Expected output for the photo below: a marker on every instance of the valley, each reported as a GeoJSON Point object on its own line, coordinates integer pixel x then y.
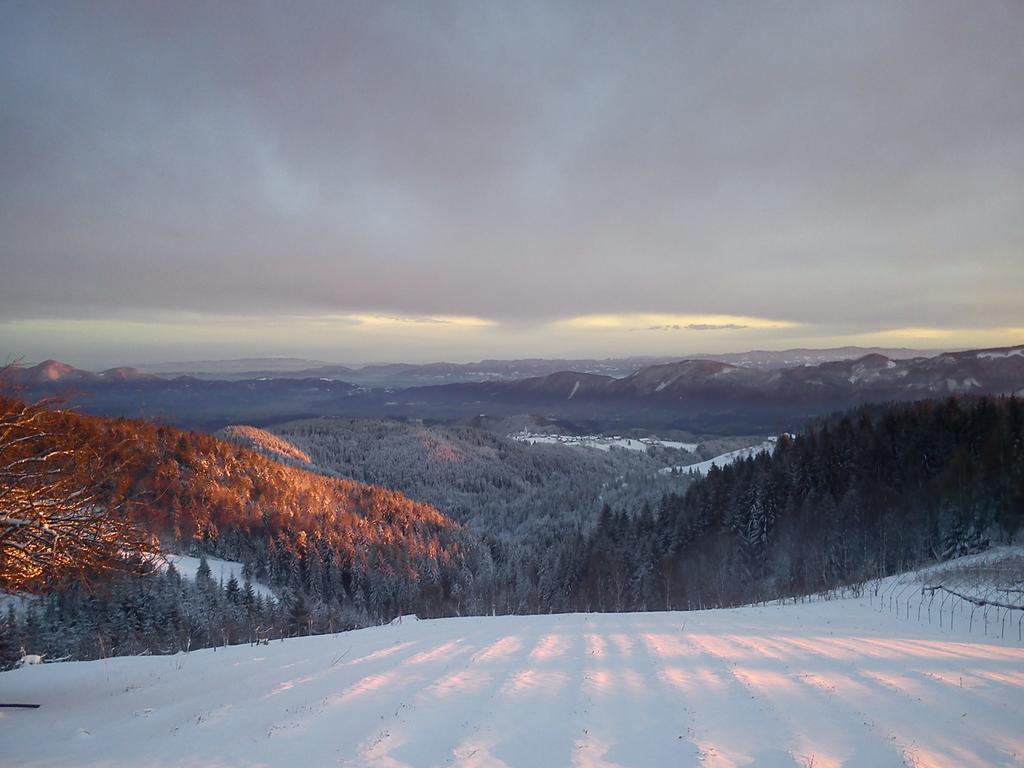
{"type": "Point", "coordinates": [510, 490]}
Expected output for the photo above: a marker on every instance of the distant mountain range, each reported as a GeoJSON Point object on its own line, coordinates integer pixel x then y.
{"type": "Point", "coordinates": [56, 372]}
{"type": "Point", "coordinates": [791, 358]}
{"type": "Point", "coordinates": [871, 377]}
{"type": "Point", "coordinates": [231, 368]}
{"type": "Point", "coordinates": [397, 374]}
{"type": "Point", "coordinates": [422, 374]}
{"type": "Point", "coordinates": [185, 400]}
{"type": "Point", "coordinates": [750, 394]}
{"type": "Point", "coordinates": [708, 396]}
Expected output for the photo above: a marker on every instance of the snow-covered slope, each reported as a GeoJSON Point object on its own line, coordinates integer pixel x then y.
{"type": "Point", "coordinates": [221, 571]}
{"type": "Point", "coordinates": [703, 467]}
{"type": "Point", "coordinates": [823, 684]}
{"type": "Point", "coordinates": [267, 443]}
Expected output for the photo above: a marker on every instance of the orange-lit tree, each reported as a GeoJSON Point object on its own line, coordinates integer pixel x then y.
{"type": "Point", "coordinates": [58, 522]}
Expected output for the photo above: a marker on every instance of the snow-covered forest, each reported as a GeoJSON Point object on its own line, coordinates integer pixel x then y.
{"type": "Point", "coordinates": [505, 488]}
{"type": "Point", "coordinates": [859, 496]}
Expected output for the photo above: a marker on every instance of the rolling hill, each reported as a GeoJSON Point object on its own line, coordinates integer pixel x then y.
{"type": "Point", "coordinates": [291, 527]}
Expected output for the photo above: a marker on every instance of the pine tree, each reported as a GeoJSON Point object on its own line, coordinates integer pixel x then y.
{"type": "Point", "coordinates": [248, 596]}
{"type": "Point", "coordinates": [9, 647]}
{"type": "Point", "coordinates": [203, 573]}
{"type": "Point", "coordinates": [298, 615]}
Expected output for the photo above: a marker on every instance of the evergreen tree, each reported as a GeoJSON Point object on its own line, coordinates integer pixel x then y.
{"type": "Point", "coordinates": [9, 646]}
{"type": "Point", "coordinates": [203, 573]}
{"type": "Point", "coordinates": [299, 615]}
{"type": "Point", "coordinates": [232, 591]}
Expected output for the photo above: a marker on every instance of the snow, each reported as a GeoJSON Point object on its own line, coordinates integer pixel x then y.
{"type": "Point", "coordinates": [703, 467]}
{"type": "Point", "coordinates": [221, 571]}
{"type": "Point", "coordinates": [823, 683]}
{"type": "Point", "coordinates": [600, 442]}
{"type": "Point", "coordinates": [1017, 352]}
{"type": "Point", "coordinates": [16, 600]}
{"type": "Point", "coordinates": [584, 441]}
{"type": "Point", "coordinates": [575, 387]}
{"type": "Point", "coordinates": [691, 447]}
{"type": "Point", "coordinates": [971, 590]}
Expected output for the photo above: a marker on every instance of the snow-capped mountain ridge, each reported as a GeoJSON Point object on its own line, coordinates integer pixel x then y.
{"type": "Point", "coordinates": [874, 376]}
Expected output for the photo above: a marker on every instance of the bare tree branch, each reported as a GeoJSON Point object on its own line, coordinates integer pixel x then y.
{"type": "Point", "coordinates": [57, 520]}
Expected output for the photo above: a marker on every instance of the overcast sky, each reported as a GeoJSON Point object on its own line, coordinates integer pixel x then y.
{"type": "Point", "coordinates": [436, 180]}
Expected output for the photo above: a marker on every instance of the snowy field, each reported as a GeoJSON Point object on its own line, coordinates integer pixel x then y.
{"type": "Point", "coordinates": [601, 442]}
{"type": "Point", "coordinates": [822, 684]}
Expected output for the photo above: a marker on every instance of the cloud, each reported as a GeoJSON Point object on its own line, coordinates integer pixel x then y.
{"type": "Point", "coordinates": [698, 327]}
{"type": "Point", "coordinates": [856, 167]}
{"type": "Point", "coordinates": [380, 321]}
{"type": "Point", "coordinates": [716, 327]}
{"type": "Point", "coordinates": [655, 322]}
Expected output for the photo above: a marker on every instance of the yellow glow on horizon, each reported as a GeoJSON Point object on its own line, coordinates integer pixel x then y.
{"type": "Point", "coordinates": [946, 337]}
{"type": "Point", "coordinates": [243, 327]}
{"type": "Point", "coordinates": [915, 333]}
{"type": "Point", "coordinates": [380, 336]}
{"type": "Point", "coordinates": [643, 321]}
{"type": "Point", "coordinates": [403, 321]}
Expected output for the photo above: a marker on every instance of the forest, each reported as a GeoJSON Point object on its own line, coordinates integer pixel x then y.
{"type": "Point", "coordinates": [855, 496]}
{"type": "Point", "coordinates": [317, 538]}
{"type": "Point", "coordinates": [860, 495]}
{"type": "Point", "coordinates": [506, 489]}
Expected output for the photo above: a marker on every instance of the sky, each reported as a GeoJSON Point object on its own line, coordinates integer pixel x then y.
{"type": "Point", "coordinates": [360, 182]}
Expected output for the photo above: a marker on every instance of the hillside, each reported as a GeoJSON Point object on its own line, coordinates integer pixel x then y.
{"type": "Point", "coordinates": [267, 443]}
{"type": "Point", "coordinates": [865, 493]}
{"type": "Point", "coordinates": [815, 684]}
{"type": "Point", "coordinates": [190, 486]}
{"type": "Point", "coordinates": [498, 485]}
{"type": "Point", "coordinates": [359, 552]}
